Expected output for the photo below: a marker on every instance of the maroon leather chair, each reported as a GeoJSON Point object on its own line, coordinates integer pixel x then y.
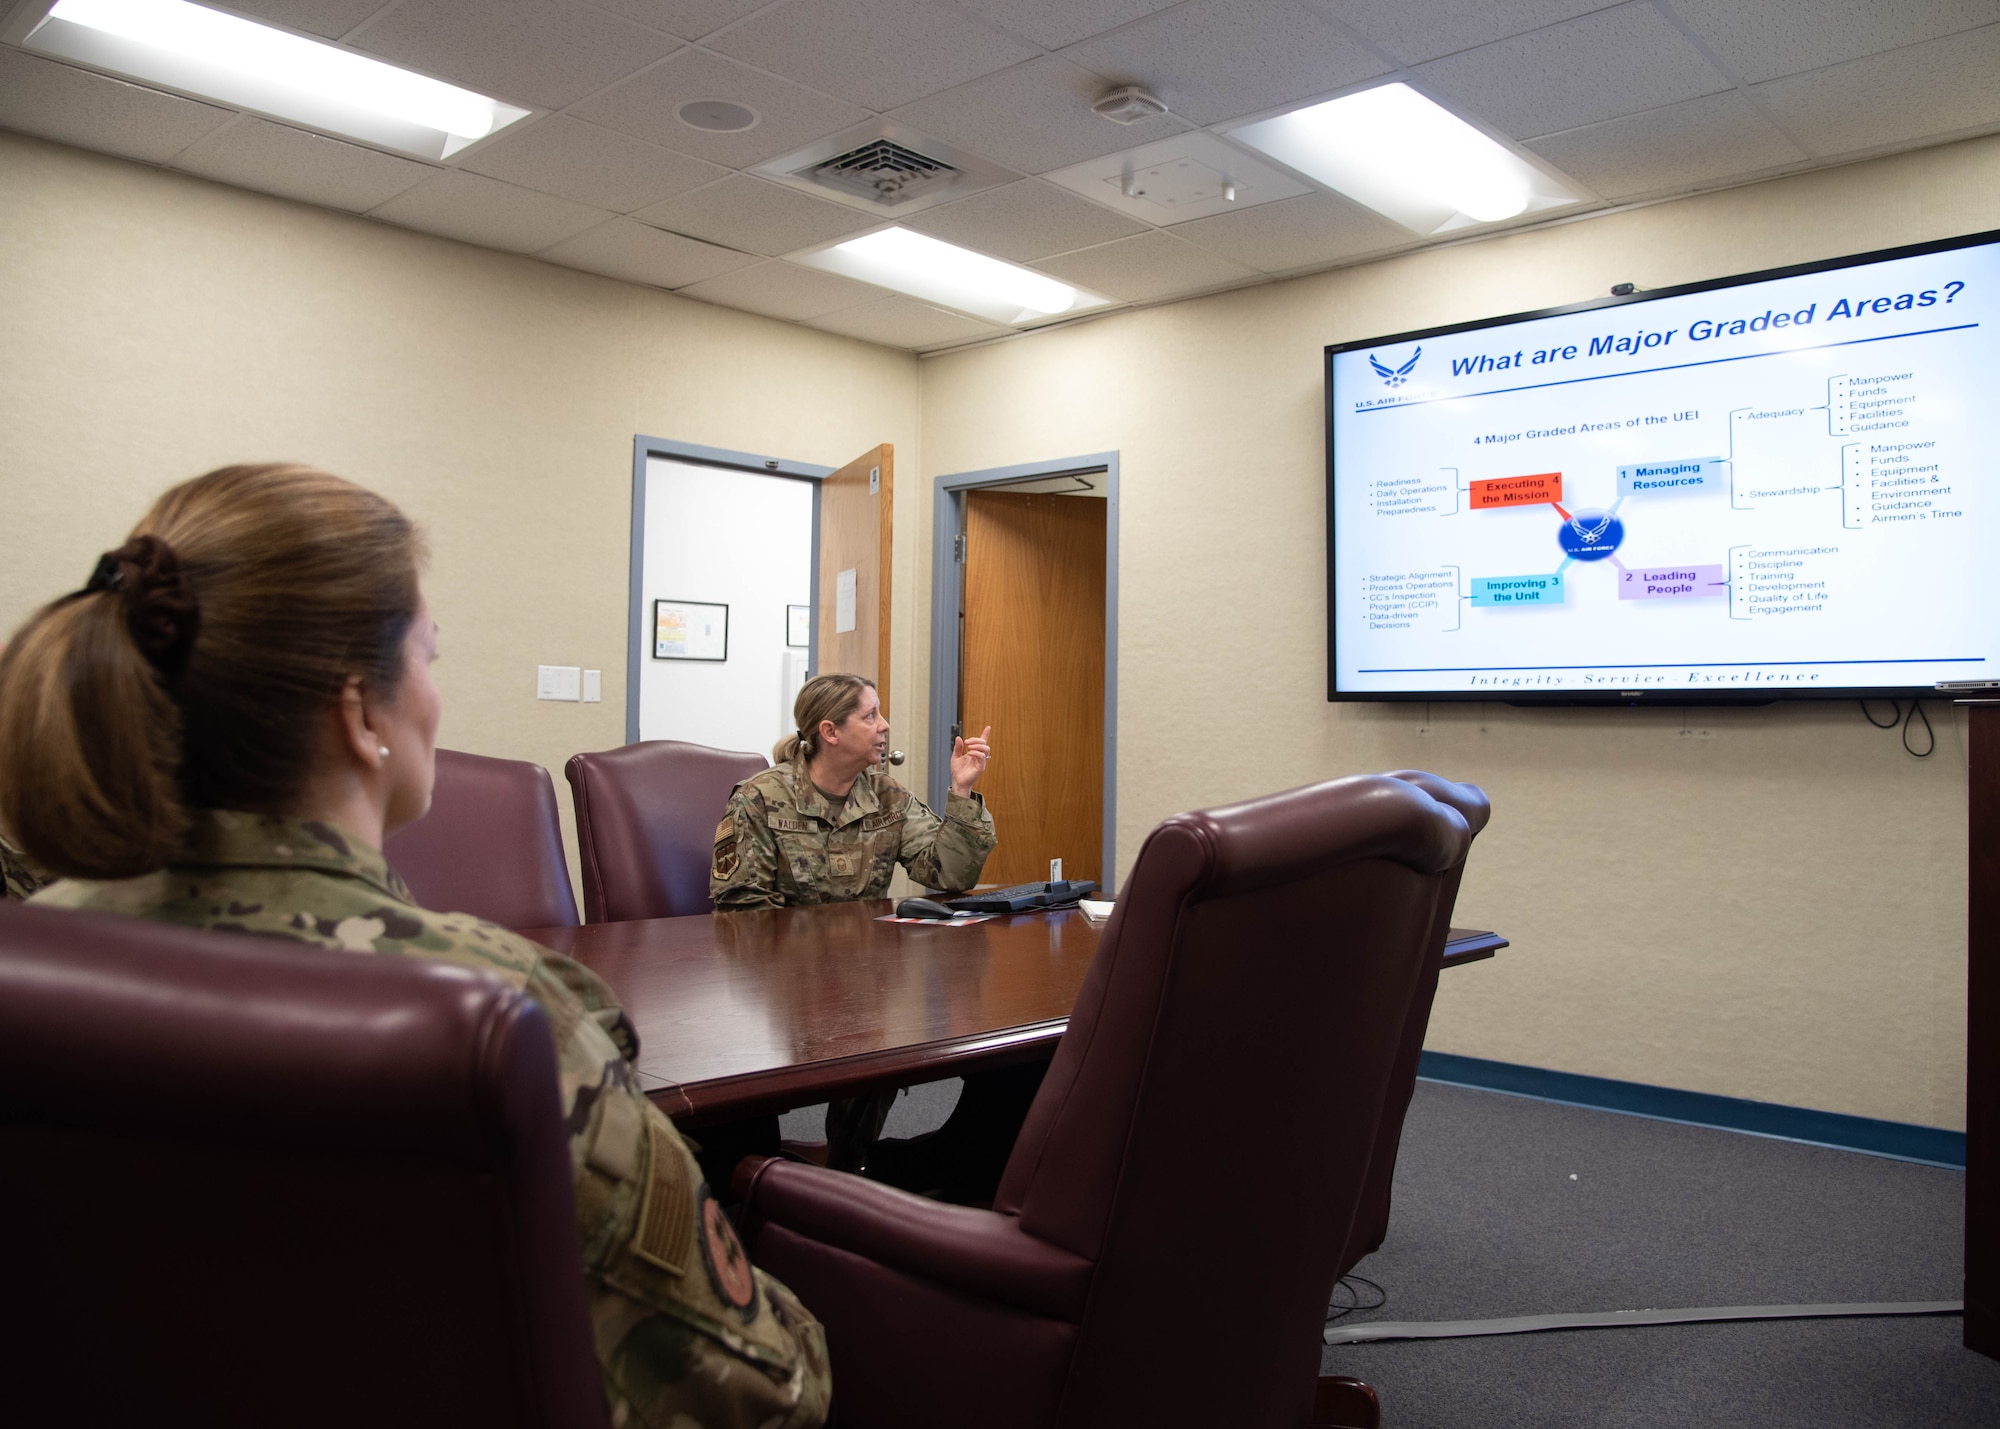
{"type": "Point", "coordinates": [645, 825]}
{"type": "Point", "coordinates": [1371, 1221]}
{"type": "Point", "coordinates": [1173, 1217]}
{"type": "Point", "coordinates": [490, 846]}
{"type": "Point", "coordinates": [248, 1182]}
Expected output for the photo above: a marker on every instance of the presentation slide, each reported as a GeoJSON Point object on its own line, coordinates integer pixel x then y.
{"type": "Point", "coordinates": [1785, 486]}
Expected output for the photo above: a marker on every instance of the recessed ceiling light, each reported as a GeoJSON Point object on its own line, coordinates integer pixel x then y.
{"type": "Point", "coordinates": [717, 115]}
{"type": "Point", "coordinates": [205, 52]}
{"type": "Point", "coordinates": [1407, 158]}
{"type": "Point", "coordinates": [944, 273]}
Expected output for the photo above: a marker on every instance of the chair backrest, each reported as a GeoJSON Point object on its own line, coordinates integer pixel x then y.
{"type": "Point", "coordinates": [251, 1181]}
{"type": "Point", "coordinates": [1205, 1130]}
{"type": "Point", "coordinates": [645, 825]}
{"type": "Point", "coordinates": [490, 846]}
{"type": "Point", "coordinates": [1371, 1221]}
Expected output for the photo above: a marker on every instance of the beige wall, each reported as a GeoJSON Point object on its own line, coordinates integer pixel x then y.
{"type": "Point", "coordinates": [1771, 907]}
{"type": "Point", "coordinates": [158, 325]}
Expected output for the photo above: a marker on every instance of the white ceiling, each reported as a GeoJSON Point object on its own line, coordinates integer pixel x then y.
{"type": "Point", "coordinates": [1631, 101]}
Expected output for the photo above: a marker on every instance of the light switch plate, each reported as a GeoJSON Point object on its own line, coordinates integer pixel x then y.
{"type": "Point", "coordinates": [593, 686]}
{"type": "Point", "coordinates": [558, 682]}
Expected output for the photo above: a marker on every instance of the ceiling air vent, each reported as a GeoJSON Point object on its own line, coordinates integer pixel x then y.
{"type": "Point", "coordinates": [885, 168]}
{"type": "Point", "coordinates": [884, 172]}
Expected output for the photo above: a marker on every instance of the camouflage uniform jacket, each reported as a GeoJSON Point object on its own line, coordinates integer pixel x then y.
{"type": "Point", "coordinates": [18, 875]}
{"type": "Point", "coordinates": [782, 843]}
{"type": "Point", "coordinates": [688, 1334]}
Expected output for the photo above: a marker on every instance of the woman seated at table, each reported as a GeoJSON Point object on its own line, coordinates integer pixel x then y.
{"type": "Point", "coordinates": [218, 730]}
{"type": "Point", "coordinates": [827, 824]}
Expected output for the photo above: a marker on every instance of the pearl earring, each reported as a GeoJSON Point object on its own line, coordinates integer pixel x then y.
{"type": "Point", "coordinates": [382, 750]}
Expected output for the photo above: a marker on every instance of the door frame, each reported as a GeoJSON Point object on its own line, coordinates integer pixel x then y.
{"type": "Point", "coordinates": [643, 449]}
{"type": "Point", "coordinates": [947, 593]}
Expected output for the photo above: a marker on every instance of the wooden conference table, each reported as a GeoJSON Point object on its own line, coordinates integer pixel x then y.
{"type": "Point", "coordinates": [746, 1013]}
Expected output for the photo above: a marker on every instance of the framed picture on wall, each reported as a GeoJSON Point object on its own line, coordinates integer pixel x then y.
{"type": "Point", "coordinates": [798, 625]}
{"type": "Point", "coordinates": [690, 630]}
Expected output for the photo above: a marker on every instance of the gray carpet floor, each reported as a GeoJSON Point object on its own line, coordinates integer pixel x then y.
{"type": "Point", "coordinates": [1508, 1206]}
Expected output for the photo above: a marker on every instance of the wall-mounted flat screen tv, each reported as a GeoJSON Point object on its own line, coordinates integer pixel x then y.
{"type": "Point", "coordinates": [1780, 485]}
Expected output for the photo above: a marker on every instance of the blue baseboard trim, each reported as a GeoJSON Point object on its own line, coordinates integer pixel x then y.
{"type": "Point", "coordinates": [1931, 1145]}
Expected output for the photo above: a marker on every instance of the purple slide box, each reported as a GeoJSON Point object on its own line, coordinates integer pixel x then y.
{"type": "Point", "coordinates": [1672, 583]}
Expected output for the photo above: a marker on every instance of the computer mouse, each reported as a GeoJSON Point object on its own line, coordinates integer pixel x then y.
{"type": "Point", "coordinates": [923, 908]}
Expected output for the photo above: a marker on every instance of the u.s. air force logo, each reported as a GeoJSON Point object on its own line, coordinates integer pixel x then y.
{"type": "Point", "coordinates": [1395, 376]}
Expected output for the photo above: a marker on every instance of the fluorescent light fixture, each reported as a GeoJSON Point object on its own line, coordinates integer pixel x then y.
{"type": "Point", "coordinates": [954, 277]}
{"type": "Point", "coordinates": [239, 62]}
{"type": "Point", "coordinates": [1408, 159]}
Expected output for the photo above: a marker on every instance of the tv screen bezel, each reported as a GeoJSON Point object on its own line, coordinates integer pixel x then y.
{"type": "Point", "coordinates": [1751, 695]}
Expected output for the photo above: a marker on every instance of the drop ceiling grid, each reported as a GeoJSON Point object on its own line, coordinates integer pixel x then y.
{"type": "Point", "coordinates": [1632, 99]}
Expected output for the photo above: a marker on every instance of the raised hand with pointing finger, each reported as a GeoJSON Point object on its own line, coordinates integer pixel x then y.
{"type": "Point", "coordinates": [968, 761]}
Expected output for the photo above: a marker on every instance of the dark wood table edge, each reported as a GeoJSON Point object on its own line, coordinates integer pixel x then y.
{"type": "Point", "coordinates": [718, 1099]}
{"type": "Point", "coordinates": [782, 1089]}
{"type": "Point", "coordinates": [1470, 945]}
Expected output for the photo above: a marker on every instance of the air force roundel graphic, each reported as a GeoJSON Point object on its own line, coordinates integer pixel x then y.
{"type": "Point", "coordinates": [1590, 535]}
{"type": "Point", "coordinates": [1394, 376]}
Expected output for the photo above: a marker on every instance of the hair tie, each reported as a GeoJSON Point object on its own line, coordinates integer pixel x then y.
{"type": "Point", "coordinates": [160, 610]}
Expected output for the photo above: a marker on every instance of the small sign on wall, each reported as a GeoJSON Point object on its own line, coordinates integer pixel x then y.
{"type": "Point", "coordinates": [690, 630]}
{"type": "Point", "coordinates": [798, 625]}
{"type": "Point", "coordinates": [843, 601]}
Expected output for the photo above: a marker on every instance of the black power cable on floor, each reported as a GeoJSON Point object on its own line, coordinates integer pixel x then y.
{"type": "Point", "coordinates": [1351, 1284]}
{"type": "Point", "coordinates": [1899, 715]}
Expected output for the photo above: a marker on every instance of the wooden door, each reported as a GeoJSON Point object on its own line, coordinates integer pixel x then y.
{"type": "Point", "coordinates": [854, 546]}
{"type": "Point", "coordinates": [1032, 666]}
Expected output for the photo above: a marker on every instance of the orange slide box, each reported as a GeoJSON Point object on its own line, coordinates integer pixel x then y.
{"type": "Point", "coordinates": [1517, 491]}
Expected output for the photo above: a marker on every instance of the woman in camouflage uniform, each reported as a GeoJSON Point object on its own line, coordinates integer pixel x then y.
{"type": "Point", "coordinates": [219, 729]}
{"type": "Point", "coordinates": [825, 823]}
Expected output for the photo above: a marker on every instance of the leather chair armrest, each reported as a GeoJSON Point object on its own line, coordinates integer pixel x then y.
{"type": "Point", "coordinates": [981, 1253]}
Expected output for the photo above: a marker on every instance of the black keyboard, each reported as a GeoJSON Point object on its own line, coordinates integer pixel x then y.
{"type": "Point", "coordinates": [1024, 897]}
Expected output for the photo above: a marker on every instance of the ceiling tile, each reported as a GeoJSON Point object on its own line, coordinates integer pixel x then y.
{"type": "Point", "coordinates": [783, 290]}
{"type": "Point", "coordinates": [1212, 60]}
{"type": "Point", "coordinates": [1024, 221]}
{"type": "Point", "coordinates": [1779, 37]}
{"type": "Point", "coordinates": [630, 250]}
{"type": "Point", "coordinates": [272, 158]}
{"type": "Point", "coordinates": [1153, 265]}
{"type": "Point", "coordinates": [476, 209]}
{"type": "Point", "coordinates": [878, 53]}
{"type": "Point", "coordinates": [748, 213]}
{"type": "Point", "coordinates": [574, 160]}
{"type": "Point", "coordinates": [788, 117]}
{"type": "Point", "coordinates": [1418, 30]}
{"type": "Point", "coordinates": [1614, 62]}
{"type": "Point", "coordinates": [1297, 233]}
{"type": "Point", "coordinates": [905, 322]}
{"type": "Point", "coordinates": [74, 106]}
{"type": "Point", "coordinates": [1942, 87]}
{"type": "Point", "coordinates": [538, 52]}
{"type": "Point", "coordinates": [331, 18]}
{"type": "Point", "coordinates": [1034, 117]}
{"type": "Point", "coordinates": [690, 19]}
{"type": "Point", "coordinates": [1696, 142]}
{"type": "Point", "coordinates": [1055, 23]}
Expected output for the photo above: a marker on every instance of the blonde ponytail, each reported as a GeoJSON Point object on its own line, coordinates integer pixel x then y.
{"type": "Point", "coordinates": [824, 697]}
